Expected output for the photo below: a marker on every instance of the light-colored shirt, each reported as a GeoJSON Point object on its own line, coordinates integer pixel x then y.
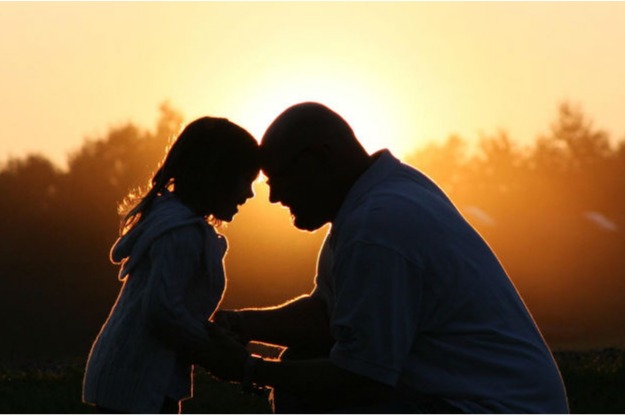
{"type": "Point", "coordinates": [417, 300]}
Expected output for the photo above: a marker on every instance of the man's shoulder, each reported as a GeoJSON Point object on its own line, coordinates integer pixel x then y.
{"type": "Point", "coordinates": [401, 199]}
{"type": "Point", "coordinates": [404, 209]}
{"type": "Point", "coordinates": [384, 217]}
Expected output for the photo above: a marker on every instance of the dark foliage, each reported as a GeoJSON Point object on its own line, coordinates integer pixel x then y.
{"type": "Point", "coordinates": [555, 215]}
{"type": "Point", "coordinates": [553, 212]}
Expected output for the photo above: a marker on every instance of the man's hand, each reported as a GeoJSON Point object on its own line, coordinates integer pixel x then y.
{"type": "Point", "coordinates": [233, 322]}
{"type": "Point", "coordinates": [224, 357]}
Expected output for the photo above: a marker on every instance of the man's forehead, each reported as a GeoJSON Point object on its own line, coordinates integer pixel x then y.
{"type": "Point", "coordinates": [274, 160]}
{"type": "Point", "coordinates": [278, 153]}
{"type": "Point", "coordinates": [290, 134]}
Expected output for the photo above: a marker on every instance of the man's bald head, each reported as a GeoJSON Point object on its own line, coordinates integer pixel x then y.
{"type": "Point", "coordinates": [311, 159]}
{"type": "Point", "coordinates": [306, 124]}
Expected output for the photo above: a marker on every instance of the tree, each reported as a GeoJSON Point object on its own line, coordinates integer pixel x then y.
{"type": "Point", "coordinates": [57, 231]}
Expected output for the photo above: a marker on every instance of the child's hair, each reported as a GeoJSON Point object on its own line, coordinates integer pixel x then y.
{"type": "Point", "coordinates": [207, 151]}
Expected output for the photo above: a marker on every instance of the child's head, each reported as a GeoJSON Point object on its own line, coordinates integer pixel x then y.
{"type": "Point", "coordinates": [211, 166]}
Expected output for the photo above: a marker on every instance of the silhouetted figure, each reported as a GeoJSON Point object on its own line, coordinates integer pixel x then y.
{"type": "Point", "coordinates": [171, 261]}
{"type": "Point", "coordinates": [411, 312]}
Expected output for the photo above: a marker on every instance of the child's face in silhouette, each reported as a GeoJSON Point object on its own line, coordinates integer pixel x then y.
{"type": "Point", "coordinates": [233, 193]}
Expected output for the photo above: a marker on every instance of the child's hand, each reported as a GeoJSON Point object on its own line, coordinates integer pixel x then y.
{"type": "Point", "coordinates": [232, 321]}
{"type": "Point", "coordinates": [225, 356]}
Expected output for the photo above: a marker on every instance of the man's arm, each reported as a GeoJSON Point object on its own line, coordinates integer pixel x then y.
{"type": "Point", "coordinates": [317, 382]}
{"type": "Point", "coordinates": [320, 383]}
{"type": "Point", "coordinates": [301, 324]}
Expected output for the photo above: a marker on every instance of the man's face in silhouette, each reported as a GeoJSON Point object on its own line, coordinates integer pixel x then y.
{"type": "Point", "coordinates": [298, 180]}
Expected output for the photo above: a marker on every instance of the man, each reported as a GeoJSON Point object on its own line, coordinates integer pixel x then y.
{"type": "Point", "coordinates": [412, 311]}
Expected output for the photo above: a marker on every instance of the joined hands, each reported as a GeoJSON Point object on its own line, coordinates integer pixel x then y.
{"type": "Point", "coordinates": [225, 356]}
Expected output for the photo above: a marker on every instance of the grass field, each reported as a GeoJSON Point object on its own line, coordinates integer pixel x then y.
{"type": "Point", "coordinates": [595, 382]}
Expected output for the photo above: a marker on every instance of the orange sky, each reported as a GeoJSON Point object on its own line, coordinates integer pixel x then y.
{"type": "Point", "coordinates": [402, 73]}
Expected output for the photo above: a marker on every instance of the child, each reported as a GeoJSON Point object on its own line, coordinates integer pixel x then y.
{"type": "Point", "coordinates": [171, 262]}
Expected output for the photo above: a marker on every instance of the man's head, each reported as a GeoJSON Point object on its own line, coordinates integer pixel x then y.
{"type": "Point", "coordinates": [311, 159]}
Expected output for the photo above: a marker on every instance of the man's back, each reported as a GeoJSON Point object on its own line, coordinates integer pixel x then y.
{"type": "Point", "coordinates": [435, 311]}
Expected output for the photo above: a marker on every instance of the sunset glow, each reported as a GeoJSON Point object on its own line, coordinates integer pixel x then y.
{"type": "Point", "coordinates": [403, 74]}
{"type": "Point", "coordinates": [93, 92]}
{"type": "Point", "coordinates": [422, 79]}
{"type": "Point", "coordinates": [373, 125]}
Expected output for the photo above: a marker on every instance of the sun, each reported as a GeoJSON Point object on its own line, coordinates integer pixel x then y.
{"type": "Point", "coordinates": [367, 105]}
{"type": "Point", "coordinates": [374, 105]}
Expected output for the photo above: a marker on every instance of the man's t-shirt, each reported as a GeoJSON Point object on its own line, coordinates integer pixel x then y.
{"type": "Point", "coordinates": [419, 301]}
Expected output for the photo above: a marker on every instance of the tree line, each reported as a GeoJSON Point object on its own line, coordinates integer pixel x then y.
{"type": "Point", "coordinates": [553, 211]}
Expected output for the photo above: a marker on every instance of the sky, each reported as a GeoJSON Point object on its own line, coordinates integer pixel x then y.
{"type": "Point", "coordinates": [403, 74]}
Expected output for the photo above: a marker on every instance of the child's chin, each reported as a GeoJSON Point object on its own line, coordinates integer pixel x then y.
{"type": "Point", "coordinates": [227, 217]}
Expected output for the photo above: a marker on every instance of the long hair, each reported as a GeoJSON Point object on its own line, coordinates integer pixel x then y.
{"type": "Point", "coordinates": [207, 151]}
